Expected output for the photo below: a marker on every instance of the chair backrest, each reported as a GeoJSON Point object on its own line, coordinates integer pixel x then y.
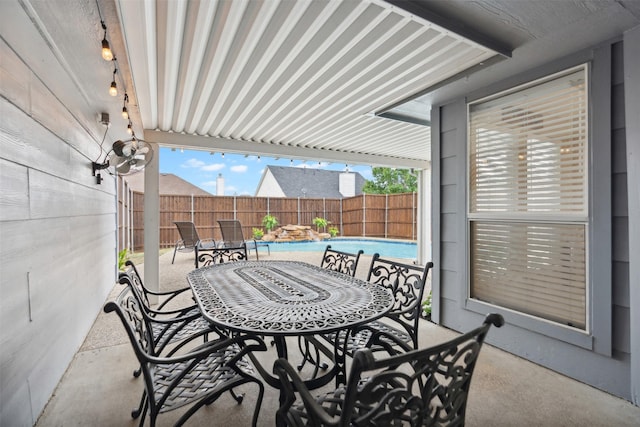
{"type": "Point", "coordinates": [132, 278]}
{"type": "Point", "coordinates": [425, 387]}
{"type": "Point", "coordinates": [406, 282]}
{"type": "Point", "coordinates": [343, 262]}
{"type": "Point", "coordinates": [188, 234]}
{"type": "Point", "coordinates": [231, 230]}
{"type": "Point", "coordinates": [138, 328]}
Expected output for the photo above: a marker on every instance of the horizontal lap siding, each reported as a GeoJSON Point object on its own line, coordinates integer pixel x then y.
{"type": "Point", "coordinates": [620, 279]}
{"type": "Point", "coordinates": [57, 225]}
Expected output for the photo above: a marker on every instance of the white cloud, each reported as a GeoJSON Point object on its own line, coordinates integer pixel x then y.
{"type": "Point", "coordinates": [239, 168]}
{"type": "Point", "coordinates": [193, 163]}
{"type": "Point", "coordinates": [213, 167]}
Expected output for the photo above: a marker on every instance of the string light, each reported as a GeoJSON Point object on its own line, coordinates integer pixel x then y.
{"type": "Point", "coordinates": [107, 54]}
{"type": "Point", "coordinates": [113, 90]}
{"type": "Point", "coordinates": [125, 112]}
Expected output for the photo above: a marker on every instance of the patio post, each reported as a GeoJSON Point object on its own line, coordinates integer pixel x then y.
{"type": "Point", "coordinates": [152, 221]}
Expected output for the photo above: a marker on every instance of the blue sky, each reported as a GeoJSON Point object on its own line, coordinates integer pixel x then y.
{"type": "Point", "coordinates": [241, 173]}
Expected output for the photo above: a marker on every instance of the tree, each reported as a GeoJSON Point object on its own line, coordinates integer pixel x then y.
{"type": "Point", "coordinates": [391, 181]}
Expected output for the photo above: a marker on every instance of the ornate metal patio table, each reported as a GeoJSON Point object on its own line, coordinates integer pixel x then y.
{"type": "Point", "coordinates": [286, 298]}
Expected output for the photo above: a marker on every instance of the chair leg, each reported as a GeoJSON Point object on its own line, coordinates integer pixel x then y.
{"type": "Point", "coordinates": [175, 249]}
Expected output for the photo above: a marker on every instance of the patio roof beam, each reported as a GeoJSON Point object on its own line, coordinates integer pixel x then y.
{"type": "Point", "coordinates": [228, 145]}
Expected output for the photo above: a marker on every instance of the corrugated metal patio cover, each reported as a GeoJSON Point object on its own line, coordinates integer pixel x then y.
{"type": "Point", "coordinates": [288, 74]}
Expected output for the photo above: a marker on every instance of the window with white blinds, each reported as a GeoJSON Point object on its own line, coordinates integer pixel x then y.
{"type": "Point", "coordinates": [528, 204]}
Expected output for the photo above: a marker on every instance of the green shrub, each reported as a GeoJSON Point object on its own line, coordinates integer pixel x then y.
{"type": "Point", "coordinates": [320, 223]}
{"type": "Point", "coordinates": [258, 233]}
{"type": "Point", "coordinates": [426, 306]}
{"type": "Point", "coordinates": [333, 231]}
{"type": "Point", "coordinates": [269, 222]}
{"type": "Point", "coordinates": [123, 256]}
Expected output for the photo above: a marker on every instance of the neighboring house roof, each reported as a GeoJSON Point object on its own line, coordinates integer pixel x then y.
{"type": "Point", "coordinates": [283, 181]}
{"type": "Point", "coordinates": [169, 184]}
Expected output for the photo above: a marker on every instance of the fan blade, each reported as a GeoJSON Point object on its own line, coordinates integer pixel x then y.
{"type": "Point", "coordinates": [123, 168]}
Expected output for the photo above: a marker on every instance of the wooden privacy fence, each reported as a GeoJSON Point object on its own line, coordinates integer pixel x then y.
{"type": "Point", "coordinates": [387, 215]}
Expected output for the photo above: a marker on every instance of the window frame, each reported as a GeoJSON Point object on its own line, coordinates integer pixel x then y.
{"type": "Point", "coordinates": [594, 323]}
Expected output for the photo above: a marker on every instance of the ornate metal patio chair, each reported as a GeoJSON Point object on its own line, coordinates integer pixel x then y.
{"type": "Point", "coordinates": [233, 236]}
{"type": "Point", "coordinates": [310, 347]}
{"type": "Point", "coordinates": [194, 377]}
{"type": "Point", "coordinates": [169, 321]}
{"type": "Point", "coordinates": [406, 282]}
{"type": "Point", "coordinates": [343, 262]}
{"type": "Point", "coordinates": [190, 241]}
{"type": "Point", "coordinates": [424, 387]}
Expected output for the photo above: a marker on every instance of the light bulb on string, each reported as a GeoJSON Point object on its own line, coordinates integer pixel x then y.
{"type": "Point", "coordinates": [125, 112]}
{"type": "Point", "coordinates": [107, 53]}
{"type": "Point", "coordinates": [130, 129]}
{"type": "Point", "coordinates": [113, 90]}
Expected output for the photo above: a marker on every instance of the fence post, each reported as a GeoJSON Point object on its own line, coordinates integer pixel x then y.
{"type": "Point", "coordinates": [386, 216]}
{"type": "Point", "coordinates": [128, 197]}
{"type": "Point", "coordinates": [341, 223]}
{"type": "Point", "coordinates": [130, 229]}
{"type": "Point", "coordinates": [364, 215]}
{"type": "Point", "coordinates": [192, 212]}
{"type": "Point", "coordinates": [299, 211]}
{"type": "Point", "coordinates": [413, 216]}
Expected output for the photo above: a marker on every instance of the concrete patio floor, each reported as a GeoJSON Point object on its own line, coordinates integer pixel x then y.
{"type": "Point", "coordinates": [99, 390]}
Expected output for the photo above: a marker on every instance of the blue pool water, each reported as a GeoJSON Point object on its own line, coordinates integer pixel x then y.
{"type": "Point", "coordinates": [386, 248]}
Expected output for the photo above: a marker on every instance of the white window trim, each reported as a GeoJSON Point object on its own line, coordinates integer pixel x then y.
{"type": "Point", "coordinates": [582, 338]}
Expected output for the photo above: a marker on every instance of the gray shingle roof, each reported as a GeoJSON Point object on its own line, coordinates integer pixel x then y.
{"type": "Point", "coordinates": [312, 183]}
{"type": "Point", "coordinates": [169, 184]}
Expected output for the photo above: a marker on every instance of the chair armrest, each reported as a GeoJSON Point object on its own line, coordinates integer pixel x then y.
{"type": "Point", "coordinates": [174, 314]}
{"type": "Point", "coordinates": [209, 347]}
{"type": "Point", "coordinates": [171, 295]}
{"type": "Point", "coordinates": [383, 339]}
{"type": "Point", "coordinates": [290, 382]}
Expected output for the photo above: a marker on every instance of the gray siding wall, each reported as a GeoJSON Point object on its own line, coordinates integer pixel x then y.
{"type": "Point", "coordinates": [602, 360]}
{"type": "Point", "coordinates": [57, 227]}
{"type": "Point", "coordinates": [619, 210]}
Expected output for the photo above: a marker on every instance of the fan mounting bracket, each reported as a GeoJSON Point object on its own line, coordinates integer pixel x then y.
{"type": "Point", "coordinates": [98, 166]}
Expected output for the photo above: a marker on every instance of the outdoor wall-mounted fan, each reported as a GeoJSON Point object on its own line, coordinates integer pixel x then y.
{"type": "Point", "coordinates": [127, 157]}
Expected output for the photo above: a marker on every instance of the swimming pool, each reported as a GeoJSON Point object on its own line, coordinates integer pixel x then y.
{"type": "Point", "coordinates": [386, 248]}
